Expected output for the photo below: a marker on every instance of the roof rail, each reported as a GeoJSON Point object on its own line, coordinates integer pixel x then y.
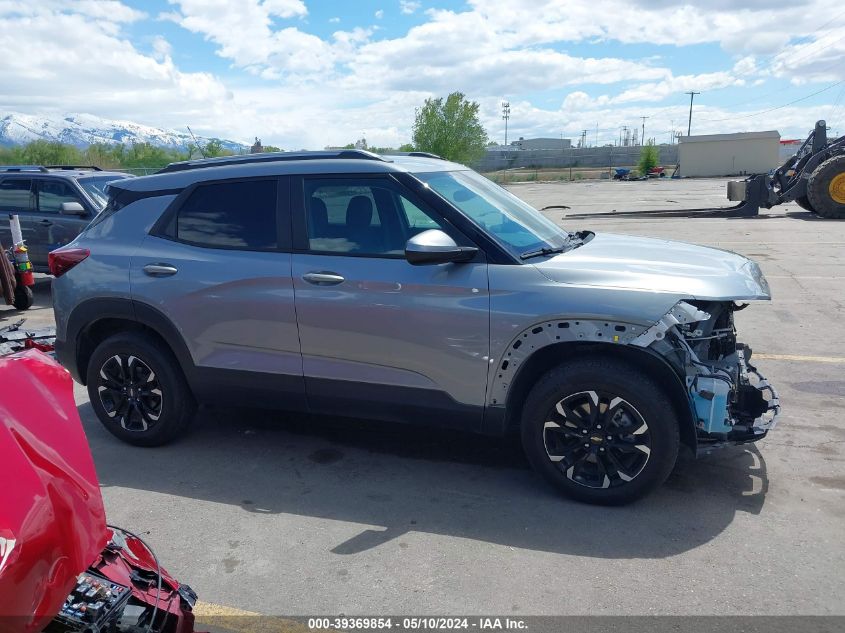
{"type": "Point", "coordinates": [425, 155]}
{"type": "Point", "coordinates": [270, 157]}
{"type": "Point", "coordinates": [74, 167]}
{"type": "Point", "coordinates": [415, 154]}
{"type": "Point", "coordinates": [16, 168]}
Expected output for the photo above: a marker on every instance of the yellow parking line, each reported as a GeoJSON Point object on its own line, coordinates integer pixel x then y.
{"type": "Point", "coordinates": [836, 360]}
{"type": "Point", "coordinates": [217, 618]}
{"type": "Point", "coordinates": [209, 609]}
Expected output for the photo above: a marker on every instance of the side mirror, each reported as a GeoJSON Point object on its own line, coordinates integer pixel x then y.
{"type": "Point", "coordinates": [435, 247]}
{"type": "Point", "coordinates": [72, 208]}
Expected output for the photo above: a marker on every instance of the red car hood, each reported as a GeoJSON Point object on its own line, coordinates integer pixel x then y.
{"type": "Point", "coordinates": [52, 521]}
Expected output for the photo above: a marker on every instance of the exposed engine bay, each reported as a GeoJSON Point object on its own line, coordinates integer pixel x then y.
{"type": "Point", "coordinates": [62, 568]}
{"type": "Point", "coordinates": [729, 399]}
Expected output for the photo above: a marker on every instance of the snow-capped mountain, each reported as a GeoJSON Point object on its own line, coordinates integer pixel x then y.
{"type": "Point", "coordinates": [84, 129]}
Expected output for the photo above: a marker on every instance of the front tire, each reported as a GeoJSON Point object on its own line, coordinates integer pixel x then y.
{"type": "Point", "coordinates": [600, 431]}
{"type": "Point", "coordinates": [804, 203]}
{"type": "Point", "coordinates": [826, 189]}
{"type": "Point", "coordinates": [138, 391]}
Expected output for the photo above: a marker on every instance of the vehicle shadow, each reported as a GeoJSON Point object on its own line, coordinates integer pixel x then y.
{"type": "Point", "coordinates": [407, 479]}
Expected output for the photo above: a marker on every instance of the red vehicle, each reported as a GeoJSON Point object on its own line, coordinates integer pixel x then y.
{"type": "Point", "coordinates": [62, 568]}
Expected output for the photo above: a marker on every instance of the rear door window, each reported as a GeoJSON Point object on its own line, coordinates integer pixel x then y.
{"type": "Point", "coordinates": [239, 215]}
{"type": "Point", "coordinates": [17, 195]}
{"type": "Point", "coordinates": [52, 193]}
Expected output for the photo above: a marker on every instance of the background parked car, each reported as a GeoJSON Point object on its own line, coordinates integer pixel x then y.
{"type": "Point", "coordinates": [54, 204]}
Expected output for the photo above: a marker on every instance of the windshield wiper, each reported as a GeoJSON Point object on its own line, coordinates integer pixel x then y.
{"type": "Point", "coordinates": [546, 250]}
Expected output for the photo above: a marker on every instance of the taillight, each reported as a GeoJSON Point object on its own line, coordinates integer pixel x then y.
{"type": "Point", "coordinates": [63, 259]}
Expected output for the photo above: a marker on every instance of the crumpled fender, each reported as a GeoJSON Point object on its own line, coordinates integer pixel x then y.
{"type": "Point", "coordinates": [52, 520]}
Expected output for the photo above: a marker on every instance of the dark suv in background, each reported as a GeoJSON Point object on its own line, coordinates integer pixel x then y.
{"type": "Point", "coordinates": [54, 203]}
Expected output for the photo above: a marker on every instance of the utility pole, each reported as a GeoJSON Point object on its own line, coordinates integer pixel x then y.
{"type": "Point", "coordinates": [597, 134]}
{"type": "Point", "coordinates": [642, 138]}
{"type": "Point", "coordinates": [583, 138]}
{"type": "Point", "coordinates": [506, 114]}
{"type": "Point", "coordinates": [691, 96]}
{"type": "Point", "coordinates": [625, 129]}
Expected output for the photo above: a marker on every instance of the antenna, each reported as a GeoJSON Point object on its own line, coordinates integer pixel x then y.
{"type": "Point", "coordinates": [196, 142]}
{"type": "Point", "coordinates": [506, 114]}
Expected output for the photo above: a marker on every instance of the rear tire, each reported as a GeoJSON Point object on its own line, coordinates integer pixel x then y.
{"type": "Point", "coordinates": [23, 297]}
{"type": "Point", "coordinates": [137, 390]}
{"type": "Point", "coordinates": [826, 188]}
{"type": "Point", "coordinates": [612, 452]}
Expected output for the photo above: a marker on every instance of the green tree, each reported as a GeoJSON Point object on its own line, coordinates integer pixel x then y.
{"type": "Point", "coordinates": [50, 153]}
{"type": "Point", "coordinates": [406, 147]}
{"type": "Point", "coordinates": [214, 148]}
{"type": "Point", "coordinates": [450, 128]}
{"type": "Point", "coordinates": [649, 157]}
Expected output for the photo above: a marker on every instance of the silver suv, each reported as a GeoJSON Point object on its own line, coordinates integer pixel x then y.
{"type": "Point", "coordinates": [409, 289]}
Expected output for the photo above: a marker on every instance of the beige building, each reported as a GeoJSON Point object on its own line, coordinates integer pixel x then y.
{"type": "Point", "coordinates": [728, 154]}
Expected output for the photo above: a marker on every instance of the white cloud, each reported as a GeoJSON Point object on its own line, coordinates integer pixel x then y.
{"type": "Point", "coordinates": [161, 48]}
{"type": "Point", "coordinates": [408, 7]}
{"type": "Point", "coordinates": [296, 89]}
{"type": "Point", "coordinates": [81, 61]}
{"type": "Point", "coordinates": [243, 31]}
{"type": "Point", "coordinates": [379, 14]}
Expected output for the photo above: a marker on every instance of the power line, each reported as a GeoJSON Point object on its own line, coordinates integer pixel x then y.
{"type": "Point", "coordinates": [753, 114]}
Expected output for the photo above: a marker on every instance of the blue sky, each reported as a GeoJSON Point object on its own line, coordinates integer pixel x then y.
{"type": "Point", "coordinates": [309, 73]}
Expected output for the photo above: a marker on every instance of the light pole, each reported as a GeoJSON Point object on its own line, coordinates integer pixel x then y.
{"type": "Point", "coordinates": [691, 96]}
{"type": "Point", "coordinates": [506, 114]}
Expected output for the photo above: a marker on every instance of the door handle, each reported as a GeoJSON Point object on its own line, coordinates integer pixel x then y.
{"type": "Point", "coordinates": [323, 278]}
{"type": "Point", "coordinates": [160, 270]}
{"type": "Point", "coordinates": [45, 223]}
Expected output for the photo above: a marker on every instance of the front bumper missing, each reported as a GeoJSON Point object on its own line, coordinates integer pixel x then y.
{"type": "Point", "coordinates": [751, 378]}
{"type": "Point", "coordinates": [733, 406]}
{"type": "Point", "coordinates": [731, 402]}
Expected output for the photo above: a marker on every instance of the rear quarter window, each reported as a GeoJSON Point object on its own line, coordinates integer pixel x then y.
{"type": "Point", "coordinates": [238, 215]}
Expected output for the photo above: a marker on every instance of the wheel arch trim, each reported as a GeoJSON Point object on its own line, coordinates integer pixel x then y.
{"type": "Point", "coordinates": [88, 314]}
{"type": "Point", "coordinates": [544, 345]}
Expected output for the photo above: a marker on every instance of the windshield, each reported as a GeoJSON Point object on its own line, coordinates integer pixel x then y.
{"type": "Point", "coordinates": [95, 187]}
{"type": "Point", "coordinates": [516, 225]}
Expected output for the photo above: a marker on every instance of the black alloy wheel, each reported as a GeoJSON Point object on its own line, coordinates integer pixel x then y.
{"type": "Point", "coordinates": [130, 392]}
{"type": "Point", "coordinates": [596, 439]}
{"type": "Point", "coordinates": [137, 389]}
{"type": "Point", "coordinates": [600, 430]}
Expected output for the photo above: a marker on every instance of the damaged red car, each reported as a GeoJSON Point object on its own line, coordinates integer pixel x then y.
{"type": "Point", "coordinates": [62, 567]}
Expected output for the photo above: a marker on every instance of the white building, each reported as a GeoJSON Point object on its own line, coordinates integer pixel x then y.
{"type": "Point", "coordinates": [728, 154]}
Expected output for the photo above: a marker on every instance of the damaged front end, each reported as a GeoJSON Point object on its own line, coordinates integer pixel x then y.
{"type": "Point", "coordinates": [730, 401]}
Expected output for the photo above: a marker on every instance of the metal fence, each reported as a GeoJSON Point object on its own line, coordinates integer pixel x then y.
{"type": "Point", "coordinates": [593, 157]}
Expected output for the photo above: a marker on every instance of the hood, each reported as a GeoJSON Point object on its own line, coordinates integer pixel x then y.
{"type": "Point", "coordinates": [52, 521]}
{"type": "Point", "coordinates": [641, 263]}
